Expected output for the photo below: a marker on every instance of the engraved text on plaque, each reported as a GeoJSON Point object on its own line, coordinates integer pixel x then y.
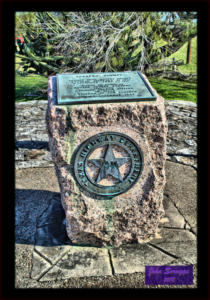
{"type": "Point", "coordinates": [102, 87]}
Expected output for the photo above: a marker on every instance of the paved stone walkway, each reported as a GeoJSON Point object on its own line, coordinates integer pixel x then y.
{"type": "Point", "coordinates": [46, 258]}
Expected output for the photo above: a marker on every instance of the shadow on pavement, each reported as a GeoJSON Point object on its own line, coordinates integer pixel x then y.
{"type": "Point", "coordinates": [40, 218]}
{"type": "Point", "coordinates": [32, 145]}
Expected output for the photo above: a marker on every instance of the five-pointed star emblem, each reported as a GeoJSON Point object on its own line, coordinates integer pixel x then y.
{"type": "Point", "coordinates": [109, 165]}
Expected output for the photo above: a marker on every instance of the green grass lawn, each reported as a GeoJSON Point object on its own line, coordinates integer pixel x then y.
{"type": "Point", "coordinates": [168, 89]}
{"type": "Point", "coordinates": [28, 88]}
{"type": "Point", "coordinates": [175, 89]}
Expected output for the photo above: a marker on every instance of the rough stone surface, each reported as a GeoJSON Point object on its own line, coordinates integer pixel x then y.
{"type": "Point", "coordinates": [37, 179]}
{"type": "Point", "coordinates": [31, 134]}
{"type": "Point", "coordinates": [182, 132]}
{"type": "Point", "coordinates": [123, 221]}
{"type": "Point", "coordinates": [33, 158]}
{"type": "Point", "coordinates": [134, 258]}
{"type": "Point", "coordinates": [23, 265]}
{"type": "Point", "coordinates": [183, 191]}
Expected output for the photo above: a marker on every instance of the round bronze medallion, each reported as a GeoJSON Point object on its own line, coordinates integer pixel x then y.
{"type": "Point", "coordinates": [108, 164]}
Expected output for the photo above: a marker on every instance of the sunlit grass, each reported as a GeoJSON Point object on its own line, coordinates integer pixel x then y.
{"type": "Point", "coordinates": [175, 89]}
{"type": "Point", "coordinates": [30, 85]}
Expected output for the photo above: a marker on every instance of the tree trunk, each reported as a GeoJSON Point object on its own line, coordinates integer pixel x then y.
{"type": "Point", "coordinates": [189, 51]}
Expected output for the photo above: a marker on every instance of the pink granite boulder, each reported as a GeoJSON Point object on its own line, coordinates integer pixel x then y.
{"type": "Point", "coordinates": [133, 216]}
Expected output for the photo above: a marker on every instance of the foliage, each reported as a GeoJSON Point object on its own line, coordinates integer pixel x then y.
{"type": "Point", "coordinates": [24, 20]}
{"type": "Point", "coordinates": [101, 41]}
{"type": "Point", "coordinates": [175, 66]}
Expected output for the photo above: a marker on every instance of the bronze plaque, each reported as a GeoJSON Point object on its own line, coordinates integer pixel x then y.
{"type": "Point", "coordinates": [102, 87]}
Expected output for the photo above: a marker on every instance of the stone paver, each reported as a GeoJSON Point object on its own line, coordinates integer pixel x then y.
{"type": "Point", "coordinates": [191, 161]}
{"type": "Point", "coordinates": [39, 266]}
{"type": "Point", "coordinates": [181, 188]}
{"type": "Point", "coordinates": [175, 219]}
{"type": "Point", "coordinates": [133, 280]}
{"type": "Point", "coordinates": [80, 262]}
{"type": "Point", "coordinates": [37, 179]}
{"type": "Point", "coordinates": [52, 254]}
{"type": "Point", "coordinates": [134, 258]}
{"type": "Point", "coordinates": [180, 243]}
{"type": "Point", "coordinates": [23, 264]}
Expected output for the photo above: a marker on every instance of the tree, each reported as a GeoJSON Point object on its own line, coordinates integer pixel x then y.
{"type": "Point", "coordinates": [103, 41]}
{"type": "Point", "coordinates": [23, 20]}
{"type": "Point", "coordinates": [38, 54]}
{"type": "Point", "coordinates": [189, 45]}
